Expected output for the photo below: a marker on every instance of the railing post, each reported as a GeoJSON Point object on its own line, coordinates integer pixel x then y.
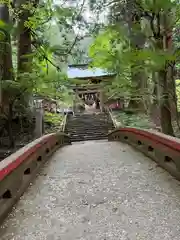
{"type": "Point", "coordinates": [39, 115]}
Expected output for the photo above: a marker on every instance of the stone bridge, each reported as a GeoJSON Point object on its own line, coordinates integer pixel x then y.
{"type": "Point", "coordinates": [106, 190]}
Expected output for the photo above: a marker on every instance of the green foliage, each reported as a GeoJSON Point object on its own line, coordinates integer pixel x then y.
{"type": "Point", "coordinates": [178, 93]}
{"type": "Point", "coordinates": [133, 120]}
{"type": "Point", "coordinates": [45, 74]}
{"type": "Point", "coordinates": [54, 119]}
{"type": "Point", "coordinates": [56, 32]}
{"type": "Point", "coordinates": [112, 49]}
{"type": "Point", "coordinates": [106, 48]}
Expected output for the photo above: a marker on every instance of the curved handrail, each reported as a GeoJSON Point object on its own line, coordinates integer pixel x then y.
{"type": "Point", "coordinates": [109, 112]}
{"type": "Point", "coordinates": [157, 137]}
{"type": "Point", "coordinates": [63, 124]}
{"type": "Point", "coordinates": [163, 149]}
{"type": "Point", "coordinates": [14, 160]}
{"type": "Point", "coordinates": [21, 167]}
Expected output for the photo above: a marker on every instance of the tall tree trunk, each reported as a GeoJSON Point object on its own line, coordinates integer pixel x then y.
{"type": "Point", "coordinates": [6, 67]}
{"type": "Point", "coordinates": [155, 106]}
{"type": "Point", "coordinates": [169, 47]}
{"type": "Point", "coordinates": [137, 41]}
{"type": "Point", "coordinates": [166, 77]}
{"type": "Point", "coordinates": [160, 29]}
{"type": "Point", "coordinates": [165, 103]}
{"type": "Point", "coordinates": [24, 49]}
{"type": "Point", "coordinates": [165, 107]}
{"type": "Point", "coordinates": [24, 41]}
{"type": "Point", "coordinates": [126, 13]}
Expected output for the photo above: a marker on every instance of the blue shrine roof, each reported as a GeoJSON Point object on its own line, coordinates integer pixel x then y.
{"type": "Point", "coordinates": [82, 71]}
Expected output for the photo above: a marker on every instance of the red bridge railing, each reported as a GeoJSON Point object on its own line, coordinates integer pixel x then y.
{"type": "Point", "coordinates": [163, 149]}
{"type": "Point", "coordinates": [20, 168]}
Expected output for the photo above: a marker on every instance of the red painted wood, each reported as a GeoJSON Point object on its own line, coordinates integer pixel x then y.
{"type": "Point", "coordinates": [173, 144]}
{"type": "Point", "coordinates": [25, 156]}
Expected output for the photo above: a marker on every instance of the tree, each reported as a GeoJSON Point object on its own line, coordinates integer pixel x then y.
{"type": "Point", "coordinates": [161, 24]}
{"type": "Point", "coordinates": [24, 35]}
{"type": "Point", "coordinates": [146, 50]}
{"type": "Point", "coordinates": [6, 68]}
{"type": "Point", "coordinates": [36, 71]}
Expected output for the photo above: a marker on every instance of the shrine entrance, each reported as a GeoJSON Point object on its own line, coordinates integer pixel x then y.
{"type": "Point", "coordinates": [88, 86]}
{"type": "Point", "coordinates": [90, 99]}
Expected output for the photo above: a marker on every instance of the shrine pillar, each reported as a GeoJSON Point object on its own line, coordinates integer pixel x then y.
{"type": "Point", "coordinates": [101, 98]}
{"type": "Point", "coordinates": [75, 101]}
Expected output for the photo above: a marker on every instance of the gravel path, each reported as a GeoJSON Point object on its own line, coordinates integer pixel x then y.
{"type": "Point", "coordinates": [97, 190]}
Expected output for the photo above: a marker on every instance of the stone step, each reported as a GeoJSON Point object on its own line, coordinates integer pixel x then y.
{"type": "Point", "coordinates": [88, 138]}
{"type": "Point", "coordinates": [89, 135]}
{"type": "Point", "coordinates": [87, 122]}
{"type": "Point", "coordinates": [88, 119]}
{"type": "Point", "coordinates": [88, 127]}
{"type": "Point", "coordinates": [88, 132]}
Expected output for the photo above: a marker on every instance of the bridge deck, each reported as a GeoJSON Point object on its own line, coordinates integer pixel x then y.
{"type": "Point", "coordinates": [97, 190]}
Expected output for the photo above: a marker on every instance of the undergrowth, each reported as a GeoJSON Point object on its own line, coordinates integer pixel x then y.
{"type": "Point", "coordinates": [133, 120]}
{"type": "Point", "coordinates": [52, 121]}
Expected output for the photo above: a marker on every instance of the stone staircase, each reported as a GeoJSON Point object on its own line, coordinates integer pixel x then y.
{"type": "Point", "coordinates": [84, 127]}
